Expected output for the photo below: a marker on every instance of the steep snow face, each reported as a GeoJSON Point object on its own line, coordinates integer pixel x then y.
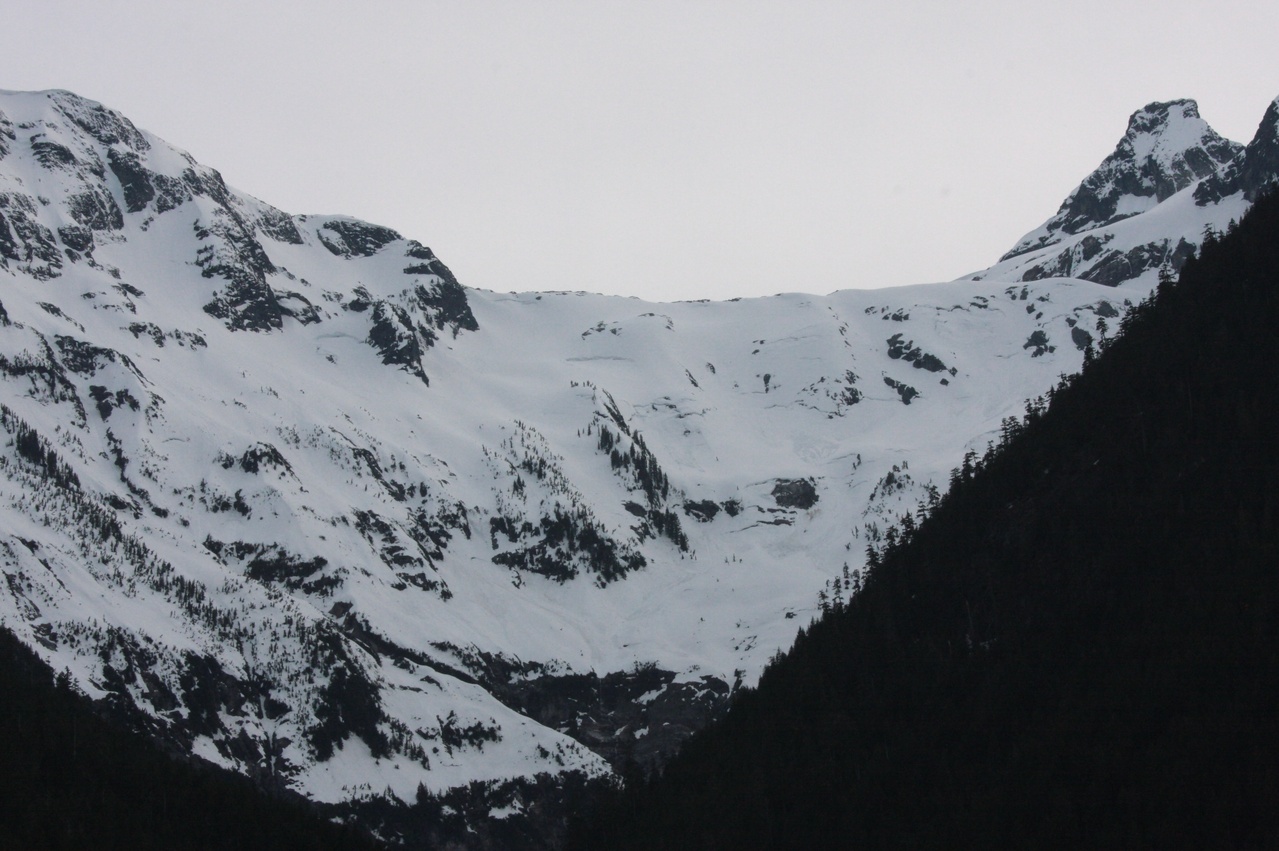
{"type": "Point", "coordinates": [285, 488]}
{"type": "Point", "coordinates": [1166, 148]}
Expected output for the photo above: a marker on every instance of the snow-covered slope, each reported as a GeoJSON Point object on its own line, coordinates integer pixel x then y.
{"type": "Point", "coordinates": [306, 506]}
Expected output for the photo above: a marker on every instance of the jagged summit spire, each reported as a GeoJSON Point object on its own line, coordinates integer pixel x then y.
{"type": "Point", "coordinates": [1167, 146]}
{"type": "Point", "coordinates": [1253, 170]}
{"type": "Point", "coordinates": [1263, 150]}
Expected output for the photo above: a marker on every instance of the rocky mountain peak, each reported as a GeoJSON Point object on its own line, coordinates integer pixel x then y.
{"type": "Point", "coordinates": [1253, 170]}
{"type": "Point", "coordinates": [1262, 162]}
{"type": "Point", "coordinates": [1166, 148]}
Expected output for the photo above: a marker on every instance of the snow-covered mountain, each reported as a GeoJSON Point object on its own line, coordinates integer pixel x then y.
{"type": "Point", "coordinates": [1166, 148]}
{"type": "Point", "coordinates": [302, 504]}
{"type": "Point", "coordinates": [1149, 203]}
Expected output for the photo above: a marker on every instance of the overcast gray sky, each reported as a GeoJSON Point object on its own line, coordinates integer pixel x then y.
{"type": "Point", "coordinates": [665, 150]}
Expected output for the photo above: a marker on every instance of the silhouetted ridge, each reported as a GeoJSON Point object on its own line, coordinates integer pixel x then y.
{"type": "Point", "coordinates": [1079, 647]}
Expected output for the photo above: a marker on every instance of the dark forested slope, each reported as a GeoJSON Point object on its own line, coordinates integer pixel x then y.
{"type": "Point", "coordinates": [71, 780]}
{"type": "Point", "coordinates": [1077, 648]}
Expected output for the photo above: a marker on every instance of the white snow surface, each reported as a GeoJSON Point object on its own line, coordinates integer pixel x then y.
{"type": "Point", "coordinates": [729, 398]}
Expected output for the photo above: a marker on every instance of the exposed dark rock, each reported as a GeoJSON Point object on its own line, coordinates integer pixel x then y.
{"type": "Point", "coordinates": [355, 239]}
{"type": "Point", "coordinates": [96, 209]}
{"type": "Point", "coordinates": [86, 359]}
{"type": "Point", "coordinates": [563, 540]}
{"type": "Point", "coordinates": [171, 192]}
{"type": "Point", "coordinates": [795, 493]}
{"type": "Point", "coordinates": [1118, 267]}
{"type": "Point", "coordinates": [232, 251]}
{"type": "Point", "coordinates": [158, 336]}
{"type": "Point", "coordinates": [1105, 309]}
{"type": "Point", "coordinates": [51, 155]}
{"type": "Point", "coordinates": [840, 390]}
{"type": "Point", "coordinates": [238, 242]}
{"type": "Point", "coordinates": [446, 305]}
{"type": "Point", "coordinates": [261, 455]}
{"type": "Point", "coordinates": [408, 549]}
{"type": "Point", "coordinates": [1252, 170]}
{"type": "Point", "coordinates": [905, 391]}
{"type": "Point", "coordinates": [280, 566]}
{"type": "Point", "coordinates": [1260, 164]}
{"type": "Point", "coordinates": [1089, 261]}
{"type": "Point", "coordinates": [45, 379]}
{"type": "Point", "coordinates": [246, 305]}
{"type": "Point", "coordinates": [1038, 341]}
{"type": "Point", "coordinates": [135, 179]}
{"type": "Point", "coordinates": [1090, 246]}
{"type": "Point", "coordinates": [271, 563]}
{"type": "Point", "coordinates": [8, 245]}
{"type": "Point", "coordinates": [349, 704]}
{"type": "Point", "coordinates": [248, 302]}
{"type": "Point", "coordinates": [418, 251]}
{"type": "Point", "coordinates": [201, 180]}
{"type": "Point", "coordinates": [360, 301]}
{"type": "Point", "coordinates": [1056, 267]}
{"type": "Point", "coordinates": [397, 340]}
{"type": "Point", "coordinates": [76, 238]}
{"type": "Point", "coordinates": [25, 240]}
{"type": "Point", "coordinates": [6, 134]}
{"type": "Point", "coordinates": [279, 226]}
{"type": "Point", "coordinates": [107, 401]}
{"type": "Point", "coordinates": [105, 125]}
{"type": "Point", "coordinates": [703, 511]}
{"type": "Point", "coordinates": [912, 354]}
{"type": "Point", "coordinates": [297, 306]}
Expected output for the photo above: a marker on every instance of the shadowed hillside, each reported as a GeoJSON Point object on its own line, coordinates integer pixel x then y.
{"type": "Point", "coordinates": [72, 780]}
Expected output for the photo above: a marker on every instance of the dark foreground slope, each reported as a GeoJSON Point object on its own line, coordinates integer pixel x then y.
{"type": "Point", "coordinates": [70, 780]}
{"type": "Point", "coordinates": [1078, 648]}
